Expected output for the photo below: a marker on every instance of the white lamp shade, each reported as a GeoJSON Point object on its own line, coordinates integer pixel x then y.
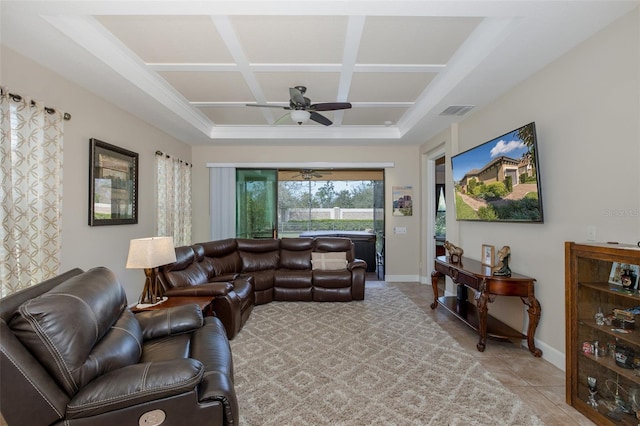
{"type": "Point", "coordinates": [145, 253]}
{"type": "Point", "coordinates": [300, 116]}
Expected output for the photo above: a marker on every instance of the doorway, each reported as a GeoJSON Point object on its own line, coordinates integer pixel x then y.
{"type": "Point", "coordinates": [286, 203]}
{"type": "Point", "coordinates": [440, 233]}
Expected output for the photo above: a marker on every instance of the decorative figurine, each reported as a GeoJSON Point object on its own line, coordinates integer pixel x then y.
{"type": "Point", "coordinates": [455, 253]}
{"type": "Point", "coordinates": [502, 268]}
{"type": "Point", "coordinates": [591, 381]}
{"type": "Point", "coordinates": [628, 279]}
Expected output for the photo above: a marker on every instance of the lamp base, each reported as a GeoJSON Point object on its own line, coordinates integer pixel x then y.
{"type": "Point", "coordinates": [152, 293]}
{"type": "Point", "coordinates": [151, 305]}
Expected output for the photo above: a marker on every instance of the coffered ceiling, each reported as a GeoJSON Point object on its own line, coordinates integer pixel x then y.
{"type": "Point", "coordinates": [190, 67]}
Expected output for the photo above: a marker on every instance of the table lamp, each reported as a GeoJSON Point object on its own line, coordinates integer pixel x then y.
{"type": "Point", "coordinates": [148, 254]}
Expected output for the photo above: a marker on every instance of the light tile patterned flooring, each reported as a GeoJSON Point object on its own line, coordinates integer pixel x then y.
{"type": "Point", "coordinates": [536, 381]}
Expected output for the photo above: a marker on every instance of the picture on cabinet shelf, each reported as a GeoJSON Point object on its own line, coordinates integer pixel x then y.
{"type": "Point", "coordinates": [625, 275]}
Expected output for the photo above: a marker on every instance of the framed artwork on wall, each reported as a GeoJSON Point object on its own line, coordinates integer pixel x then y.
{"type": "Point", "coordinates": [402, 200]}
{"type": "Point", "coordinates": [113, 184]}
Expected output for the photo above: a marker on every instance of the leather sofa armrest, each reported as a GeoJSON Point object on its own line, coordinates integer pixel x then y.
{"type": "Point", "coordinates": [213, 289]}
{"type": "Point", "coordinates": [136, 384]}
{"type": "Point", "coordinates": [165, 322]}
{"type": "Point", "coordinates": [222, 278]}
{"type": "Point", "coordinates": [217, 386]}
{"type": "Point", "coordinates": [357, 263]}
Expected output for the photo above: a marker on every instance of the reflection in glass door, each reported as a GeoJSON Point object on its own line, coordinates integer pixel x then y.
{"type": "Point", "coordinates": [256, 201]}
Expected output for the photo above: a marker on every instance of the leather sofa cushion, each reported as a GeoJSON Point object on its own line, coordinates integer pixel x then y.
{"type": "Point", "coordinates": [332, 279]}
{"type": "Point", "coordinates": [290, 259]}
{"type": "Point", "coordinates": [258, 245]}
{"type": "Point", "coordinates": [219, 247]}
{"type": "Point", "coordinates": [169, 321]}
{"type": "Point", "coordinates": [80, 329]}
{"type": "Point", "coordinates": [185, 271]}
{"type": "Point", "coordinates": [221, 257]}
{"type": "Point", "coordinates": [259, 261]}
{"type": "Point", "coordinates": [184, 257]}
{"type": "Point", "coordinates": [331, 244]}
{"type": "Point", "coordinates": [263, 280]}
{"type": "Point", "coordinates": [292, 279]}
{"type": "Point", "coordinates": [296, 244]}
{"type": "Point", "coordinates": [225, 265]}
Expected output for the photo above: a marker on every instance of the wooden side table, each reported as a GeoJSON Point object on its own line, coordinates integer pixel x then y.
{"type": "Point", "coordinates": [203, 301]}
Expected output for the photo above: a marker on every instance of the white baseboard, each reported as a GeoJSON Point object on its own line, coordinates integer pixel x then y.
{"type": "Point", "coordinates": [550, 354]}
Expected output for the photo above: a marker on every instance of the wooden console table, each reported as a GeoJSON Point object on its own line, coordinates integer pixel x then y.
{"type": "Point", "coordinates": [473, 274]}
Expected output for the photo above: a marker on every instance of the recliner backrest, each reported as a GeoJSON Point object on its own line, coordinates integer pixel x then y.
{"type": "Point", "coordinates": [80, 329]}
{"type": "Point", "coordinates": [185, 271]}
{"type": "Point", "coordinates": [259, 254]}
{"type": "Point", "coordinates": [334, 244]}
{"type": "Point", "coordinates": [295, 253]}
{"type": "Point", "coordinates": [222, 256]}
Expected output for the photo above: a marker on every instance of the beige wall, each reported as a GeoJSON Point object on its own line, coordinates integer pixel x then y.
{"type": "Point", "coordinates": [586, 106]}
{"type": "Point", "coordinates": [84, 246]}
{"type": "Point", "coordinates": [403, 251]}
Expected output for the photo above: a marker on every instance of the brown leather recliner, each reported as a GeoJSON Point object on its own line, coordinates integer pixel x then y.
{"type": "Point", "coordinates": [73, 353]}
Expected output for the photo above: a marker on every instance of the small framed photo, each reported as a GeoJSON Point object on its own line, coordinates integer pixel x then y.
{"type": "Point", "coordinates": [488, 255]}
{"type": "Point", "coordinates": [113, 185]}
{"type": "Point", "coordinates": [625, 275]}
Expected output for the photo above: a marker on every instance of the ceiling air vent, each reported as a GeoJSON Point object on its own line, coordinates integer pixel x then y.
{"type": "Point", "coordinates": [458, 110]}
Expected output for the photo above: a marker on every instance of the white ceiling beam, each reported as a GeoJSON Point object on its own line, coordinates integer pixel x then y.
{"type": "Point", "coordinates": [92, 36]}
{"type": "Point", "coordinates": [230, 39]}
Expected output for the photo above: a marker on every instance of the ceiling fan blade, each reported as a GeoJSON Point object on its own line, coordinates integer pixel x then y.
{"type": "Point", "coordinates": [281, 119]}
{"type": "Point", "coordinates": [318, 118]}
{"type": "Point", "coordinates": [267, 106]}
{"type": "Point", "coordinates": [329, 106]}
{"type": "Point", "coordinates": [296, 96]}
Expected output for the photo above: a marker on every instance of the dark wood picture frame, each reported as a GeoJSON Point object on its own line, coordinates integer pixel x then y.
{"type": "Point", "coordinates": [113, 184]}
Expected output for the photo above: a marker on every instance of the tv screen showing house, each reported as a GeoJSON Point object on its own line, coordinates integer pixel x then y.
{"type": "Point", "coordinates": [499, 181]}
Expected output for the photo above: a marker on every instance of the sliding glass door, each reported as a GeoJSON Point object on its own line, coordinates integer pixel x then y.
{"type": "Point", "coordinates": [256, 203]}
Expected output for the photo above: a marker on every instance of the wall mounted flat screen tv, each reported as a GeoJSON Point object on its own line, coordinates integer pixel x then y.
{"type": "Point", "coordinates": [499, 181]}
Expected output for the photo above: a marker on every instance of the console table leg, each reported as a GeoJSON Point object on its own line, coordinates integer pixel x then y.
{"type": "Point", "coordinates": [434, 285]}
{"type": "Point", "coordinates": [482, 317]}
{"type": "Point", "coordinates": [534, 317]}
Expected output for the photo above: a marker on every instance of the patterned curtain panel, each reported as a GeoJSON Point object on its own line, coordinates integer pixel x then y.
{"type": "Point", "coordinates": [31, 191]}
{"type": "Point", "coordinates": [174, 199]}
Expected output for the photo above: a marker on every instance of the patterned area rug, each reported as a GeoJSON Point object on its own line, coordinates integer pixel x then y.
{"type": "Point", "coordinates": [381, 361]}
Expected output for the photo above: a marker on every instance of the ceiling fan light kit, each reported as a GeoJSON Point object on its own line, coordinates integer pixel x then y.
{"type": "Point", "coordinates": [300, 116]}
{"type": "Point", "coordinates": [302, 110]}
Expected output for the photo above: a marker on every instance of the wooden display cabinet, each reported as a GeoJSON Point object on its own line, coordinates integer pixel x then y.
{"type": "Point", "coordinates": [587, 288]}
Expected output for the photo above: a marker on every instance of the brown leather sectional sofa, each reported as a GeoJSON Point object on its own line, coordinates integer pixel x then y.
{"type": "Point", "coordinates": [241, 273]}
{"type": "Point", "coordinates": [73, 353]}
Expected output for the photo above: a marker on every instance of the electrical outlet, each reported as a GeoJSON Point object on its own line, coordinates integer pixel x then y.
{"type": "Point", "coordinates": [591, 233]}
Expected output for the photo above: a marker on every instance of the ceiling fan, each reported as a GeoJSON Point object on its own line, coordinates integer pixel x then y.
{"type": "Point", "coordinates": [308, 174]}
{"type": "Point", "coordinates": [302, 109]}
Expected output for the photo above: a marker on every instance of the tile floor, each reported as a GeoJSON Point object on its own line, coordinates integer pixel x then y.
{"type": "Point", "coordinates": [534, 380]}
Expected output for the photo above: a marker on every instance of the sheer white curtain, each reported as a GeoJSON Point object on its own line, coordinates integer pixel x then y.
{"type": "Point", "coordinates": [174, 199]}
{"type": "Point", "coordinates": [31, 191]}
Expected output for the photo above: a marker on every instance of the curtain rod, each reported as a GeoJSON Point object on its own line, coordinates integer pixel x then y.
{"type": "Point", "coordinates": [66, 116]}
{"type": "Point", "coordinates": [168, 156]}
